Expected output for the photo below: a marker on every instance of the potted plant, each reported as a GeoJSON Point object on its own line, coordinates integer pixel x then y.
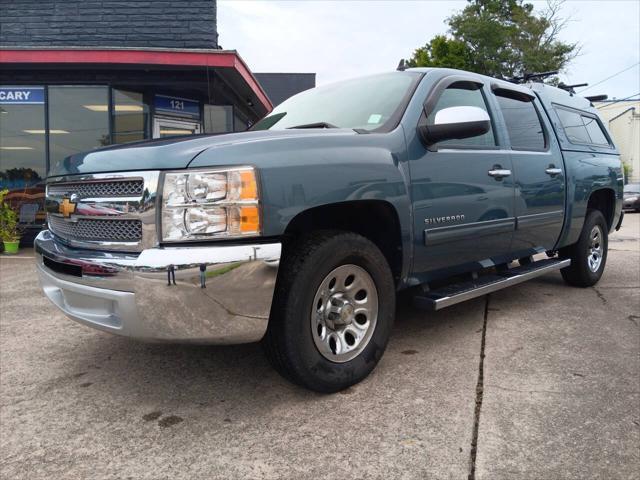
{"type": "Point", "coordinates": [8, 226]}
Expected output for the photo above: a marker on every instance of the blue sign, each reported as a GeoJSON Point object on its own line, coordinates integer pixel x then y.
{"type": "Point", "coordinates": [182, 107]}
{"type": "Point", "coordinates": [21, 95]}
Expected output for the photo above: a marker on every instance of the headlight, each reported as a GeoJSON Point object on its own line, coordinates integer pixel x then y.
{"type": "Point", "coordinates": [631, 199]}
{"type": "Point", "coordinates": [205, 204]}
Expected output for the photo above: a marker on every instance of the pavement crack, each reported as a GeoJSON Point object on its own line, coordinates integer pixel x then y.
{"type": "Point", "coordinates": [519, 390]}
{"type": "Point", "coordinates": [632, 287]}
{"type": "Point", "coordinates": [560, 392]}
{"type": "Point", "coordinates": [479, 394]}
{"type": "Point", "coordinates": [600, 295]}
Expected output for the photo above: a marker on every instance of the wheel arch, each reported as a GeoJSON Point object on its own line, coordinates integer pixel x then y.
{"type": "Point", "coordinates": [604, 200]}
{"type": "Point", "coordinates": [376, 220]}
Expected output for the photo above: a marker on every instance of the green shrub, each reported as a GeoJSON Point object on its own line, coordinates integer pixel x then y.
{"type": "Point", "coordinates": [8, 220]}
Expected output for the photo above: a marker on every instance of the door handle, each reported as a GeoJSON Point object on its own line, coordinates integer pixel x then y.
{"type": "Point", "coordinates": [553, 171]}
{"type": "Point", "coordinates": [499, 173]}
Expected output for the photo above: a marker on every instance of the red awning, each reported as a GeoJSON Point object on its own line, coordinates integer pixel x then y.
{"type": "Point", "coordinates": [187, 58]}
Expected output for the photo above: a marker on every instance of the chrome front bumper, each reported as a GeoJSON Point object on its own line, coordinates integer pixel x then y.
{"type": "Point", "coordinates": [157, 295]}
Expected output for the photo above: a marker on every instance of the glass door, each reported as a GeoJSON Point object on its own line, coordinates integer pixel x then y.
{"type": "Point", "coordinates": [165, 127]}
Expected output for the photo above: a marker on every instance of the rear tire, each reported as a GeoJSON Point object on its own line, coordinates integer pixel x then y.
{"type": "Point", "coordinates": [332, 312]}
{"type": "Point", "coordinates": [589, 254]}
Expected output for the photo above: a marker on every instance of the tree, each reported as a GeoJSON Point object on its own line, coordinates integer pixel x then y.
{"type": "Point", "coordinates": [500, 38]}
{"type": "Point", "coordinates": [442, 52]}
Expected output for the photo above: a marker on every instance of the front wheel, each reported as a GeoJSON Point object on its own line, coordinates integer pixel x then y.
{"type": "Point", "coordinates": [589, 255]}
{"type": "Point", "coordinates": [333, 311]}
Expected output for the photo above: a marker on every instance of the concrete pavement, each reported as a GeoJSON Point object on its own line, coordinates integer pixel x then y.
{"type": "Point", "coordinates": [559, 393]}
{"type": "Point", "coordinates": [562, 375]}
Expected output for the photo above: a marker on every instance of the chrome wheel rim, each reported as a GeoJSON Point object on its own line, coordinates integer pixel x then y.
{"type": "Point", "coordinates": [594, 256]}
{"type": "Point", "coordinates": [344, 313]}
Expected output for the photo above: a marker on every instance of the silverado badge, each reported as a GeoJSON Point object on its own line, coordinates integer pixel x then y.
{"type": "Point", "coordinates": [67, 207]}
{"type": "Point", "coordinates": [445, 219]}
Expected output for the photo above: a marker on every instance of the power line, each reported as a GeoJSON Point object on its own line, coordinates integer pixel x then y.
{"type": "Point", "coordinates": [608, 78]}
{"type": "Point", "coordinates": [618, 100]}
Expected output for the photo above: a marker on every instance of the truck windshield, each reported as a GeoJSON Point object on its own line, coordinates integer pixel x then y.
{"type": "Point", "coordinates": [367, 103]}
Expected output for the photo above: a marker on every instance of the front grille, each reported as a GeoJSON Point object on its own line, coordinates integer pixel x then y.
{"type": "Point", "coordinates": [104, 211]}
{"type": "Point", "coordinates": [120, 188]}
{"type": "Point", "coordinates": [104, 230]}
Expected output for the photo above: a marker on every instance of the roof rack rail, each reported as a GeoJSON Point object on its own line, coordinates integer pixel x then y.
{"type": "Point", "coordinates": [597, 98]}
{"type": "Point", "coordinates": [530, 76]}
{"type": "Point", "coordinates": [571, 88]}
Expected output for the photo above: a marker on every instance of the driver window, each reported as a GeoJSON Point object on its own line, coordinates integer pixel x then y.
{"type": "Point", "coordinates": [463, 94]}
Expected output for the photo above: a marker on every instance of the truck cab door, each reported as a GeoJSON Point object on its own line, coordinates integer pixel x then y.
{"type": "Point", "coordinates": [462, 190]}
{"type": "Point", "coordinates": [538, 172]}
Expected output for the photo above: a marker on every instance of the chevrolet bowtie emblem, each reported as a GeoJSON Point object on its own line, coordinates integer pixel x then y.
{"type": "Point", "coordinates": [66, 208]}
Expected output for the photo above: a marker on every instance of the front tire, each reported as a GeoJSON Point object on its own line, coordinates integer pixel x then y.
{"type": "Point", "coordinates": [589, 254]}
{"type": "Point", "coordinates": [333, 311]}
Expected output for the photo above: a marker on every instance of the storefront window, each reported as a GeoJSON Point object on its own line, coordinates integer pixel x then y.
{"type": "Point", "coordinates": [239, 123]}
{"type": "Point", "coordinates": [130, 117]}
{"type": "Point", "coordinates": [78, 120]}
{"type": "Point", "coordinates": [218, 118]}
{"type": "Point", "coordinates": [23, 151]}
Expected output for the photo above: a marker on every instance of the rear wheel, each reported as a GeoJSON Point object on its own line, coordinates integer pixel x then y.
{"type": "Point", "coordinates": [333, 311]}
{"type": "Point", "coordinates": [589, 254]}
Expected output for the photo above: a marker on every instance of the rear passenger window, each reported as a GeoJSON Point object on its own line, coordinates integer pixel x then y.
{"type": "Point", "coordinates": [581, 128]}
{"type": "Point", "coordinates": [595, 131]}
{"type": "Point", "coordinates": [573, 126]}
{"type": "Point", "coordinates": [523, 123]}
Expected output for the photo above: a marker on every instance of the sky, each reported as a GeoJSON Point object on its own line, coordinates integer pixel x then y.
{"type": "Point", "coordinates": [339, 39]}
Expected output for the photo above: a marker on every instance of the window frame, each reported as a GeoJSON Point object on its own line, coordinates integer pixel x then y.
{"type": "Point", "coordinates": [582, 113]}
{"type": "Point", "coordinates": [604, 132]}
{"type": "Point", "coordinates": [146, 100]}
{"type": "Point", "coordinates": [45, 119]}
{"type": "Point", "coordinates": [148, 118]}
{"type": "Point", "coordinates": [525, 98]}
{"type": "Point", "coordinates": [45, 87]}
{"type": "Point", "coordinates": [36, 224]}
{"type": "Point", "coordinates": [432, 100]}
{"type": "Point", "coordinates": [204, 117]}
{"type": "Point", "coordinates": [47, 162]}
{"type": "Point", "coordinates": [109, 88]}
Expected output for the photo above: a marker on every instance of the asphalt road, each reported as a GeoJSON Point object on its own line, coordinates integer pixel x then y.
{"type": "Point", "coordinates": [559, 395]}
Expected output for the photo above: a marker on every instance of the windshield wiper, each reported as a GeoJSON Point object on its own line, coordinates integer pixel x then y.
{"type": "Point", "coordinates": [315, 125]}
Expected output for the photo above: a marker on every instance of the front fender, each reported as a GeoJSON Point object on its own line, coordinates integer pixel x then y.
{"type": "Point", "coordinates": [300, 172]}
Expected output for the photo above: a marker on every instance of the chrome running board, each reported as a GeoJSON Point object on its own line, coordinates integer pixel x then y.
{"type": "Point", "coordinates": [459, 292]}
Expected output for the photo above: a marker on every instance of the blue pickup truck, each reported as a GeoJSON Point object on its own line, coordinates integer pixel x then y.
{"type": "Point", "coordinates": [300, 232]}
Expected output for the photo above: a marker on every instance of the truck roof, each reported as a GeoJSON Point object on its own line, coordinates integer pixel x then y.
{"type": "Point", "coordinates": [551, 94]}
{"type": "Point", "coordinates": [548, 94]}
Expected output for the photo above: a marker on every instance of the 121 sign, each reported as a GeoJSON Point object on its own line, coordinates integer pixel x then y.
{"type": "Point", "coordinates": [182, 107]}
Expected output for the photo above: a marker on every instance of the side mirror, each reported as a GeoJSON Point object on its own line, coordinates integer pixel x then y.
{"type": "Point", "coordinates": [455, 123]}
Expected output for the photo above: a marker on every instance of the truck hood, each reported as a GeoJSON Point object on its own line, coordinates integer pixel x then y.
{"type": "Point", "coordinates": [170, 153]}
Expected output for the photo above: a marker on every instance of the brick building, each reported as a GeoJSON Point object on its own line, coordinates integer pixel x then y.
{"type": "Point", "coordinates": [76, 75]}
{"type": "Point", "coordinates": [108, 23]}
